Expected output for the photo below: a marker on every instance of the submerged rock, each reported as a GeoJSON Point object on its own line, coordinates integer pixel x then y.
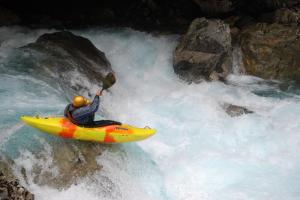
{"type": "Point", "coordinates": [204, 52]}
{"type": "Point", "coordinates": [10, 189]}
{"type": "Point", "coordinates": [235, 111]}
{"type": "Point", "coordinates": [271, 51]}
{"type": "Point", "coordinates": [71, 160]}
{"type": "Point", "coordinates": [61, 164]}
{"type": "Point", "coordinates": [69, 59]}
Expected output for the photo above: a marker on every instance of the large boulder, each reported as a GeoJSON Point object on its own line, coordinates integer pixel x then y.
{"type": "Point", "coordinates": [68, 59]}
{"type": "Point", "coordinates": [77, 47]}
{"type": "Point", "coordinates": [271, 51]}
{"type": "Point", "coordinates": [204, 52]}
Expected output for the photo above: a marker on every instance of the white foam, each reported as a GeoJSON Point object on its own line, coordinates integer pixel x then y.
{"type": "Point", "coordinates": [202, 152]}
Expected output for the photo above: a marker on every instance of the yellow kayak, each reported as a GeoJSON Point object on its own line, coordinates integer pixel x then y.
{"type": "Point", "coordinates": [62, 127]}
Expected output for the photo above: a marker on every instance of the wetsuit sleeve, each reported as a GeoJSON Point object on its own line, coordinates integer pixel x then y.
{"type": "Point", "coordinates": [95, 104]}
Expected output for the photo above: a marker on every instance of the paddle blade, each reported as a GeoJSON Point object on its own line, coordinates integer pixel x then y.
{"type": "Point", "coordinates": [108, 81]}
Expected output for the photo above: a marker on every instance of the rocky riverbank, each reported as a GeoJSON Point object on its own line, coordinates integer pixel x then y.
{"type": "Point", "coordinates": [266, 31]}
{"type": "Point", "coordinates": [149, 15]}
{"type": "Point", "coordinates": [10, 189]}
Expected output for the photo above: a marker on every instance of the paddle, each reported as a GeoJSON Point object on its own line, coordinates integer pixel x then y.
{"type": "Point", "coordinates": [108, 81]}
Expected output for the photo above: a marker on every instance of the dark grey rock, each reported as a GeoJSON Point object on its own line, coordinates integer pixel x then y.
{"type": "Point", "coordinates": [235, 111]}
{"type": "Point", "coordinates": [204, 50]}
{"type": "Point", "coordinates": [61, 56]}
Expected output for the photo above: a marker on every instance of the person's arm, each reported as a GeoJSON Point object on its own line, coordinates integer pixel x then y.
{"type": "Point", "coordinates": [95, 104]}
{"type": "Point", "coordinates": [93, 107]}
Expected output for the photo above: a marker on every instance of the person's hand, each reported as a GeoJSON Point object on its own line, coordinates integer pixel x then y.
{"type": "Point", "coordinates": [99, 92]}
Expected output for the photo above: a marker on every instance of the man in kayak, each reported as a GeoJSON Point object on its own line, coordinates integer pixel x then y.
{"type": "Point", "coordinates": [82, 112]}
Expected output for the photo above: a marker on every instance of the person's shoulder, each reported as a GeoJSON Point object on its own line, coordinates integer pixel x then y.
{"type": "Point", "coordinates": [70, 107]}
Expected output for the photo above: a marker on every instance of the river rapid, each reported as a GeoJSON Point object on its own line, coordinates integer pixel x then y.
{"type": "Point", "coordinates": [199, 152]}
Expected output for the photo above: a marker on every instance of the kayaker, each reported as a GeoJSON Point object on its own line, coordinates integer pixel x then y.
{"type": "Point", "coordinates": [82, 112]}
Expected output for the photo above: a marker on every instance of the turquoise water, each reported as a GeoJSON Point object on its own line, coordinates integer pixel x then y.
{"type": "Point", "coordinates": [199, 151]}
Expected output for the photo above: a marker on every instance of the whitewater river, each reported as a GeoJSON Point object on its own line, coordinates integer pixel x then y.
{"type": "Point", "coordinates": [199, 152]}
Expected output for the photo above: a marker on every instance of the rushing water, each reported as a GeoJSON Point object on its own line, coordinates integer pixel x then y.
{"type": "Point", "coordinates": [199, 151]}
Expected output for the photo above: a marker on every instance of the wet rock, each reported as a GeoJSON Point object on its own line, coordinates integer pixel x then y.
{"type": "Point", "coordinates": [271, 51]}
{"type": "Point", "coordinates": [235, 111]}
{"type": "Point", "coordinates": [204, 51]}
{"type": "Point", "coordinates": [7, 17]}
{"type": "Point", "coordinates": [72, 160]}
{"type": "Point", "coordinates": [70, 59]}
{"type": "Point", "coordinates": [79, 49]}
{"type": "Point", "coordinates": [12, 190]}
{"type": "Point", "coordinates": [61, 164]}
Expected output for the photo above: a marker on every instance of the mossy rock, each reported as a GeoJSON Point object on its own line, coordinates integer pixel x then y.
{"type": "Point", "coordinates": [271, 51]}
